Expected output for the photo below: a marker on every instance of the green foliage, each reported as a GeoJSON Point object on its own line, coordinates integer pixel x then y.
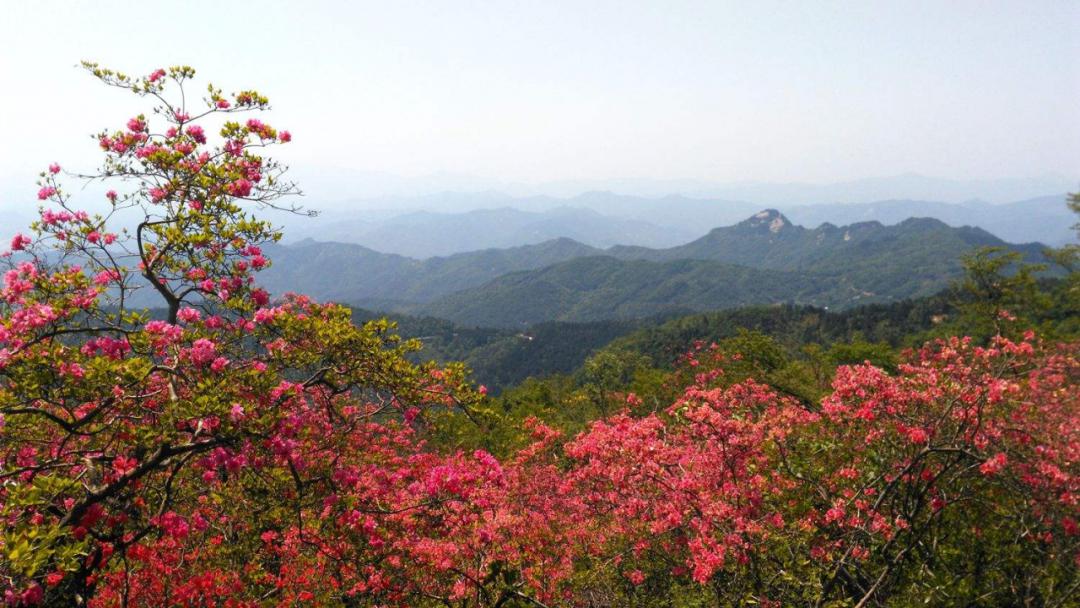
{"type": "Point", "coordinates": [999, 293]}
{"type": "Point", "coordinates": [606, 373]}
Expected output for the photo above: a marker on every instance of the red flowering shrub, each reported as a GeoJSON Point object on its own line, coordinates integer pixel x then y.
{"type": "Point", "coordinates": [967, 459]}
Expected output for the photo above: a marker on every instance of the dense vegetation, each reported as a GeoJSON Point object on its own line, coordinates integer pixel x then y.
{"type": "Point", "coordinates": [242, 452]}
{"type": "Point", "coordinates": [357, 275]}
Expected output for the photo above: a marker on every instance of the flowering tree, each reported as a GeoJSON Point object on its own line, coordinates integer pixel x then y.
{"type": "Point", "coordinates": [122, 437]}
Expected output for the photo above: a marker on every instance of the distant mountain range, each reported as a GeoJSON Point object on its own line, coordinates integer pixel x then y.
{"type": "Point", "coordinates": [1045, 219]}
{"type": "Point", "coordinates": [423, 234]}
{"type": "Point", "coordinates": [603, 219]}
{"type": "Point", "coordinates": [444, 214]}
{"type": "Point", "coordinates": [762, 260]}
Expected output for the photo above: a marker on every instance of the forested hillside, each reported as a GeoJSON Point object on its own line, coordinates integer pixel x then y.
{"type": "Point", "coordinates": [358, 275]}
{"type": "Point", "coordinates": [762, 260]}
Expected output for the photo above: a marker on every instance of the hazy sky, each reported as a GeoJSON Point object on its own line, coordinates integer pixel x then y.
{"type": "Point", "coordinates": [536, 91]}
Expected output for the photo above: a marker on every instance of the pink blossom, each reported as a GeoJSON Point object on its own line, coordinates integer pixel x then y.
{"type": "Point", "coordinates": [260, 297]}
{"type": "Point", "coordinates": [34, 594]}
{"type": "Point", "coordinates": [45, 192]}
{"type": "Point", "coordinates": [917, 435]}
{"type": "Point", "coordinates": [54, 168]}
{"type": "Point", "coordinates": [994, 464]}
{"type": "Point", "coordinates": [156, 75]}
{"type": "Point", "coordinates": [188, 315]}
{"type": "Point", "coordinates": [114, 348]}
{"type": "Point", "coordinates": [174, 525]}
{"type": "Point", "coordinates": [240, 187]}
{"type": "Point", "coordinates": [285, 137]}
{"type": "Point", "coordinates": [106, 276]}
{"type": "Point", "coordinates": [123, 465]}
{"type": "Point", "coordinates": [834, 514]}
{"type": "Point", "coordinates": [147, 151]}
{"type": "Point", "coordinates": [19, 242]}
{"type": "Point", "coordinates": [203, 351]}
{"type": "Point", "coordinates": [196, 133]}
{"type": "Point", "coordinates": [267, 315]}
{"type": "Point", "coordinates": [236, 414]}
{"type": "Point", "coordinates": [169, 332]}
{"type": "Point", "coordinates": [234, 147]}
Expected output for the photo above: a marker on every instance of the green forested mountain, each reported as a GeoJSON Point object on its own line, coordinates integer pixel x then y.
{"type": "Point", "coordinates": [357, 275]}
{"type": "Point", "coordinates": [915, 257]}
{"type": "Point", "coordinates": [777, 262]}
{"type": "Point", "coordinates": [762, 260]}
{"type": "Point", "coordinates": [1045, 218]}
{"type": "Point", "coordinates": [602, 287]}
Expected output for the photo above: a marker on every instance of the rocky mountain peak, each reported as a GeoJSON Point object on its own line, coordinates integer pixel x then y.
{"type": "Point", "coordinates": [770, 219]}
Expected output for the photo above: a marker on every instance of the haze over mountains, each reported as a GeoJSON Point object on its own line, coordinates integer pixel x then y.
{"type": "Point", "coordinates": [423, 234]}
{"type": "Point", "coordinates": [603, 219]}
{"type": "Point", "coordinates": [446, 214]}
{"type": "Point", "coordinates": [348, 187]}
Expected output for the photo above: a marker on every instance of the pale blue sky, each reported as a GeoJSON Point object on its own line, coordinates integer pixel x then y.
{"type": "Point", "coordinates": [538, 91]}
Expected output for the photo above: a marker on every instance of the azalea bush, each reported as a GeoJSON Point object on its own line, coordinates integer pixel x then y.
{"type": "Point", "coordinates": [954, 480]}
{"type": "Point", "coordinates": [171, 435]}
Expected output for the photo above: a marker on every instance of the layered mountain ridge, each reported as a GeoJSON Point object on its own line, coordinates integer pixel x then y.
{"type": "Point", "coordinates": [764, 259]}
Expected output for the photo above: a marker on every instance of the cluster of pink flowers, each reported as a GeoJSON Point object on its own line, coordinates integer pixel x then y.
{"type": "Point", "coordinates": [20, 242]}
{"type": "Point", "coordinates": [203, 351]}
{"type": "Point", "coordinates": [188, 315]}
{"type": "Point", "coordinates": [239, 188]}
{"type": "Point", "coordinates": [113, 348]}
{"type": "Point", "coordinates": [196, 133]}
